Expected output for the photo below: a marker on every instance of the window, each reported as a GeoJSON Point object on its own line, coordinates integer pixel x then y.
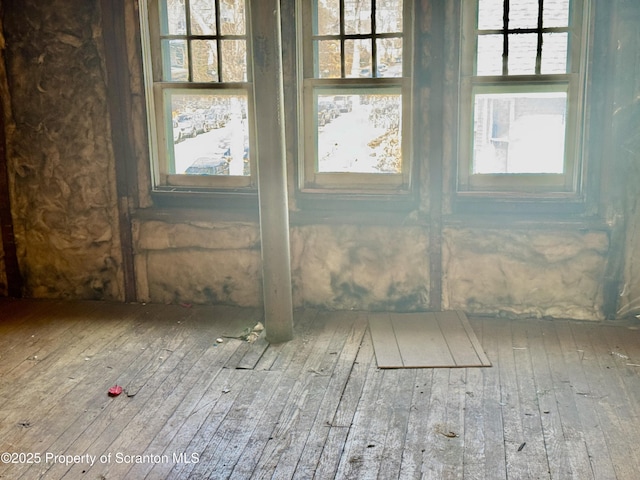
{"type": "Point", "coordinates": [356, 89]}
{"type": "Point", "coordinates": [199, 95]}
{"type": "Point", "coordinates": [522, 95]}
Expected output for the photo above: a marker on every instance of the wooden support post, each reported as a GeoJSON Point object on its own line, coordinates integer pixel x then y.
{"type": "Point", "coordinates": [11, 265]}
{"type": "Point", "coordinates": [272, 178]}
{"type": "Point", "coordinates": [119, 100]}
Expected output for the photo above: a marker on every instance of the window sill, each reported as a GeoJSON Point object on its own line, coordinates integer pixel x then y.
{"type": "Point", "coordinates": [518, 203]}
{"type": "Point", "coordinates": [184, 197]}
{"type": "Point", "coordinates": [554, 222]}
{"type": "Point", "coordinates": [340, 201]}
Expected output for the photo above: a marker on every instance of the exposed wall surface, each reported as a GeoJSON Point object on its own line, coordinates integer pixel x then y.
{"type": "Point", "coordinates": [3, 276]}
{"type": "Point", "coordinates": [60, 157]}
{"type": "Point", "coordinates": [630, 296]}
{"type": "Point", "coordinates": [333, 266]}
{"type": "Point", "coordinates": [66, 215]}
{"type": "Point", "coordinates": [348, 267]}
{"type": "Point", "coordinates": [524, 272]}
{"type": "Point", "coordinates": [627, 144]}
{"type": "Point", "coordinates": [198, 262]}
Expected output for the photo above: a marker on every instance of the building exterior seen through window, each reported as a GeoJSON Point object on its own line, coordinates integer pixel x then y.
{"type": "Point", "coordinates": [199, 90]}
{"type": "Point", "coordinates": [356, 87]}
{"type": "Point", "coordinates": [522, 89]}
{"type": "Point", "coordinates": [521, 94]}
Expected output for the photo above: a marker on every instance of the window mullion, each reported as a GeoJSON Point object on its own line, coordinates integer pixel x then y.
{"type": "Point", "coordinates": [343, 71]}
{"type": "Point", "coordinates": [505, 38]}
{"type": "Point", "coordinates": [187, 13]}
{"type": "Point", "coordinates": [539, 39]}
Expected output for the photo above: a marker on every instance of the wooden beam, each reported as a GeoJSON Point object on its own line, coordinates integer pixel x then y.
{"type": "Point", "coordinates": [429, 67]}
{"type": "Point", "coordinates": [11, 264]}
{"type": "Point", "coordinates": [271, 160]}
{"type": "Point", "coordinates": [113, 13]}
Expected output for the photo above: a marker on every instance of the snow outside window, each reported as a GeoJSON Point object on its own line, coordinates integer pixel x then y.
{"type": "Point", "coordinates": [356, 78]}
{"type": "Point", "coordinates": [199, 93]}
{"type": "Point", "coordinates": [522, 89]}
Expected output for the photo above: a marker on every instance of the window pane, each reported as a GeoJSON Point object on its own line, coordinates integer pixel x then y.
{"type": "Point", "coordinates": [210, 134]}
{"type": "Point", "coordinates": [489, 55]}
{"type": "Point", "coordinates": [357, 16]}
{"type": "Point", "coordinates": [556, 13]}
{"type": "Point", "coordinates": [205, 60]}
{"type": "Point", "coordinates": [389, 59]}
{"type": "Point", "coordinates": [327, 19]}
{"type": "Point", "coordinates": [175, 62]}
{"type": "Point", "coordinates": [359, 133]}
{"type": "Point", "coordinates": [554, 53]}
{"type": "Point", "coordinates": [234, 61]}
{"type": "Point", "coordinates": [523, 49]}
{"type": "Point", "coordinates": [490, 13]}
{"type": "Point", "coordinates": [203, 17]}
{"type": "Point", "coordinates": [173, 17]}
{"type": "Point", "coordinates": [328, 55]}
{"type": "Point", "coordinates": [232, 17]}
{"type": "Point", "coordinates": [523, 14]}
{"type": "Point", "coordinates": [519, 133]}
{"type": "Point", "coordinates": [357, 57]}
{"type": "Point", "coordinates": [389, 16]}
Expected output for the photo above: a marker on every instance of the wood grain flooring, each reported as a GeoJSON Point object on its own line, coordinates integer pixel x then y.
{"type": "Point", "coordinates": [559, 402]}
{"type": "Point", "coordinates": [425, 340]}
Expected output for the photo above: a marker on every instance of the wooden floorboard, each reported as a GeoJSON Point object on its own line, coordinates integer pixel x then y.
{"type": "Point", "coordinates": [429, 340]}
{"type": "Point", "coordinates": [559, 402]}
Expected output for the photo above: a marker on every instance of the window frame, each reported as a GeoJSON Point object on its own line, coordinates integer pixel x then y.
{"type": "Point", "coordinates": [544, 186]}
{"type": "Point", "coordinates": [158, 91]}
{"type": "Point", "coordinates": [309, 179]}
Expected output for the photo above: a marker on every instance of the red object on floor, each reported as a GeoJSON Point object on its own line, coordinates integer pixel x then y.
{"type": "Point", "coordinates": [115, 391]}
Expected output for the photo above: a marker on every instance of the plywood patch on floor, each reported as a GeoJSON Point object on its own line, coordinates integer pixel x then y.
{"type": "Point", "coordinates": [425, 340]}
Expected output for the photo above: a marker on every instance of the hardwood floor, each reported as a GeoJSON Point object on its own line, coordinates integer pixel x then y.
{"type": "Point", "coordinates": [561, 400]}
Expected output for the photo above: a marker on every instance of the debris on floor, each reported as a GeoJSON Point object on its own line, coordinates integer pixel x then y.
{"type": "Point", "coordinates": [250, 334]}
{"type": "Point", "coordinates": [115, 391]}
{"type": "Point", "coordinates": [442, 430]}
